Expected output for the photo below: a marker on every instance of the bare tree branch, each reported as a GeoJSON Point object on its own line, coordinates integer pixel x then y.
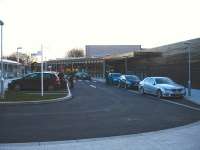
{"type": "Point", "coordinates": [75, 53]}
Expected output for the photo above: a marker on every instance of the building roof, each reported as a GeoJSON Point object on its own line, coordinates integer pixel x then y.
{"type": "Point", "coordinates": [107, 50]}
{"type": "Point", "coordinates": [10, 62]}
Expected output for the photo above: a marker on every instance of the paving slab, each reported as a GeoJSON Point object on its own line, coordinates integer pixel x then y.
{"type": "Point", "coordinates": [195, 96]}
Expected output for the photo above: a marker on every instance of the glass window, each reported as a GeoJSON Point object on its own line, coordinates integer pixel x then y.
{"type": "Point", "coordinates": [131, 77]}
{"type": "Point", "coordinates": [146, 80]}
{"type": "Point", "coordinates": [47, 76]}
{"type": "Point", "coordinates": [151, 81]}
{"type": "Point", "coordinates": [116, 74]}
{"type": "Point", "coordinates": [38, 75]}
{"type": "Point", "coordinates": [163, 81]}
{"type": "Point", "coordinates": [31, 76]}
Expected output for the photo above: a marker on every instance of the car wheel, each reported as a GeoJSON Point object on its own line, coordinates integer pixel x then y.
{"type": "Point", "coordinates": [141, 90]}
{"type": "Point", "coordinates": [159, 94]}
{"type": "Point", "coordinates": [119, 85]}
{"type": "Point", "coordinates": [17, 87]}
{"type": "Point", "coordinates": [50, 88]}
{"type": "Point", "coordinates": [125, 86]}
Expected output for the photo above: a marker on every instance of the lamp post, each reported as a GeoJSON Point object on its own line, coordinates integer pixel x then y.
{"type": "Point", "coordinates": [18, 60]}
{"type": "Point", "coordinates": [125, 64]}
{"type": "Point", "coordinates": [188, 44]}
{"type": "Point", "coordinates": [2, 79]}
{"type": "Point", "coordinates": [18, 53]}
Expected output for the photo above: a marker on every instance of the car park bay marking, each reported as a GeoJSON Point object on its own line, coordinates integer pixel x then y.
{"type": "Point", "coordinates": [190, 107]}
{"type": "Point", "coordinates": [93, 86]}
{"type": "Point", "coordinates": [175, 103]}
{"type": "Point", "coordinates": [183, 105]}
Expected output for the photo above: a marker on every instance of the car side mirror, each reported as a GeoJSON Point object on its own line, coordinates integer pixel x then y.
{"type": "Point", "coordinates": [154, 83]}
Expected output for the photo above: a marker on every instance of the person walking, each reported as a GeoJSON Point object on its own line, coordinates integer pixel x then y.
{"type": "Point", "coordinates": [62, 80]}
{"type": "Point", "coordinates": [71, 80]}
{"type": "Point", "coordinates": [106, 76]}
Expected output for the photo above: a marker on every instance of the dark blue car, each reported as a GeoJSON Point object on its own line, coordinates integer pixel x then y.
{"type": "Point", "coordinates": [129, 81]}
{"type": "Point", "coordinates": [113, 78]}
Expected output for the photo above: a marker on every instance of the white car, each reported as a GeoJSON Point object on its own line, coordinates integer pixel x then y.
{"type": "Point", "coordinates": [162, 87]}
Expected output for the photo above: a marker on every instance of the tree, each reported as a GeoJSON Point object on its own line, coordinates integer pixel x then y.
{"type": "Point", "coordinates": [75, 53]}
{"type": "Point", "coordinates": [23, 58]}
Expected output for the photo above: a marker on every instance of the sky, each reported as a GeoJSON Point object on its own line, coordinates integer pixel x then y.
{"type": "Point", "coordinates": [60, 25]}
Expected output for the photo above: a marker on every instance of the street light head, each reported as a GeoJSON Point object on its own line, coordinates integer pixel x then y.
{"type": "Point", "coordinates": [1, 23]}
{"type": "Point", "coordinates": [187, 43]}
{"type": "Point", "coordinates": [19, 48]}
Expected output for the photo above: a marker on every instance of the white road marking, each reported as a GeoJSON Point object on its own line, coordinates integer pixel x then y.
{"type": "Point", "coordinates": [183, 105]}
{"type": "Point", "coordinates": [94, 81]}
{"type": "Point", "coordinates": [47, 93]}
{"type": "Point", "coordinates": [93, 86]}
{"type": "Point", "coordinates": [175, 103]}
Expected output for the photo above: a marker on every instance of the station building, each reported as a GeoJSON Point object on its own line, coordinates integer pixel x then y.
{"type": "Point", "coordinates": [168, 60]}
{"type": "Point", "coordinates": [109, 50]}
{"type": "Point", "coordinates": [11, 68]}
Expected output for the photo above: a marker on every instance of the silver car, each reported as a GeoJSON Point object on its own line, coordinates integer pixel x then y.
{"type": "Point", "coordinates": [162, 87]}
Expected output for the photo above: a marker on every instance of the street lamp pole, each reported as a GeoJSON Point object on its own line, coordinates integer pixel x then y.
{"type": "Point", "coordinates": [125, 64]}
{"type": "Point", "coordinates": [2, 79]}
{"type": "Point", "coordinates": [18, 60]}
{"type": "Point", "coordinates": [189, 67]}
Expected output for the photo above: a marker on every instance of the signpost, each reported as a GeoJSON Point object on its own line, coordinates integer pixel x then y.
{"type": "Point", "coordinates": [40, 53]}
{"type": "Point", "coordinates": [188, 44]}
{"type": "Point", "coordinates": [42, 82]}
{"type": "Point", "coordinates": [2, 71]}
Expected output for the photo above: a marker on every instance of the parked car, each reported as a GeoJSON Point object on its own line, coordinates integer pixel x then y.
{"type": "Point", "coordinates": [162, 87]}
{"type": "Point", "coordinates": [33, 82]}
{"type": "Point", "coordinates": [82, 76]}
{"type": "Point", "coordinates": [129, 81]}
{"type": "Point", "coordinates": [113, 78]}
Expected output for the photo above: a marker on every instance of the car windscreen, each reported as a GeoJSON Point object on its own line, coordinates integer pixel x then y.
{"type": "Point", "coordinates": [84, 73]}
{"type": "Point", "coordinates": [163, 81]}
{"type": "Point", "coordinates": [132, 78]}
{"type": "Point", "coordinates": [116, 74]}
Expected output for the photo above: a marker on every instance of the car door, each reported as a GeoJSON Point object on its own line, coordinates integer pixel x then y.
{"type": "Point", "coordinates": [47, 80]}
{"type": "Point", "coordinates": [24, 83]}
{"type": "Point", "coordinates": [152, 88]}
{"type": "Point", "coordinates": [122, 79]}
{"type": "Point", "coordinates": [37, 81]}
{"type": "Point", "coordinates": [146, 85]}
{"type": "Point", "coordinates": [28, 82]}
